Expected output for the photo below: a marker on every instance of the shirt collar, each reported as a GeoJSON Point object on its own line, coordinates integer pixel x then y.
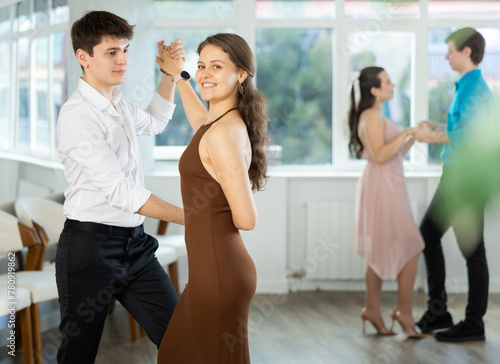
{"type": "Point", "coordinates": [95, 97]}
{"type": "Point", "coordinates": [469, 76]}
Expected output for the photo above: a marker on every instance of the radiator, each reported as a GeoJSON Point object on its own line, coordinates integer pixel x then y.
{"type": "Point", "coordinates": [329, 251]}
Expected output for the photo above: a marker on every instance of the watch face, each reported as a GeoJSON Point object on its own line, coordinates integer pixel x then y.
{"type": "Point", "coordinates": [185, 75]}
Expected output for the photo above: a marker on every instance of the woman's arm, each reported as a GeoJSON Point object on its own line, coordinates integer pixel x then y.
{"type": "Point", "coordinates": [372, 135]}
{"type": "Point", "coordinates": [229, 153]}
{"type": "Point", "coordinates": [193, 107]}
{"type": "Point", "coordinates": [408, 144]}
{"type": "Point", "coordinates": [437, 127]}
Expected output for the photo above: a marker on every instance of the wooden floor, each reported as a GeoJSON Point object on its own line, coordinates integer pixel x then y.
{"type": "Point", "coordinates": [313, 328]}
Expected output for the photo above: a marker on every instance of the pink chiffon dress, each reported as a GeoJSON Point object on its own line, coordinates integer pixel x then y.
{"type": "Point", "coordinates": [385, 233]}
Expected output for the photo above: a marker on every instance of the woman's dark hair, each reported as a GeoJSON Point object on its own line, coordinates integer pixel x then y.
{"type": "Point", "coordinates": [252, 104]}
{"type": "Point", "coordinates": [93, 26]}
{"type": "Point", "coordinates": [368, 78]}
{"type": "Point", "coordinates": [469, 37]}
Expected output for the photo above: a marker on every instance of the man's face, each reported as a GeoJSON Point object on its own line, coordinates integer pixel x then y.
{"type": "Point", "coordinates": [108, 65]}
{"type": "Point", "coordinates": [455, 57]}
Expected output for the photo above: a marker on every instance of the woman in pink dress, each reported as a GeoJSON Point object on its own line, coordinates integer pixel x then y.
{"type": "Point", "coordinates": [385, 233]}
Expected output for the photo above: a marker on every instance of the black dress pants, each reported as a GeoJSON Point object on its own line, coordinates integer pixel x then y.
{"type": "Point", "coordinates": [96, 262]}
{"type": "Point", "coordinates": [465, 214]}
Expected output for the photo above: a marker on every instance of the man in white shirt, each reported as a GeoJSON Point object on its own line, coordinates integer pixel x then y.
{"type": "Point", "coordinates": [103, 250]}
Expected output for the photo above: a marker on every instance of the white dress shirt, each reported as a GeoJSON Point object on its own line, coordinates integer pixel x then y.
{"type": "Point", "coordinates": [97, 141]}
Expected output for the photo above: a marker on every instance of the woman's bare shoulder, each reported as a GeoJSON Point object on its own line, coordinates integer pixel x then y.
{"type": "Point", "coordinates": [371, 117]}
{"type": "Point", "coordinates": [232, 128]}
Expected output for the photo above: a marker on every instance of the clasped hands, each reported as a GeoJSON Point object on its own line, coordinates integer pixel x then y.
{"type": "Point", "coordinates": [424, 130]}
{"type": "Point", "coordinates": [171, 58]}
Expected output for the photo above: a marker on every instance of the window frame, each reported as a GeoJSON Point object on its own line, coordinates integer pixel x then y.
{"type": "Point", "coordinates": [33, 33]}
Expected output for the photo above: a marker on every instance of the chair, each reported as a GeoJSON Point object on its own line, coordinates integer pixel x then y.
{"type": "Point", "coordinates": [46, 217]}
{"type": "Point", "coordinates": [41, 284]}
{"type": "Point", "coordinates": [22, 308]}
{"type": "Point", "coordinates": [175, 241]}
{"type": "Point", "coordinates": [8, 207]}
{"type": "Point", "coordinates": [57, 197]}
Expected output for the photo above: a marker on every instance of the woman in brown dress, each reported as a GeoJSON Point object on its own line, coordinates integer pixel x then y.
{"type": "Point", "coordinates": [221, 167]}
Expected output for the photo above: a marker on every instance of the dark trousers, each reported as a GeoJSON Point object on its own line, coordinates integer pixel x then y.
{"type": "Point", "coordinates": [466, 217]}
{"type": "Point", "coordinates": [96, 262]}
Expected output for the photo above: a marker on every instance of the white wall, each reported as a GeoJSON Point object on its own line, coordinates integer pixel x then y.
{"type": "Point", "coordinates": [266, 244]}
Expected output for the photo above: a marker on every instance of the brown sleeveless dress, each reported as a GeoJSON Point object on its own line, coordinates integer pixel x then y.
{"type": "Point", "coordinates": [209, 324]}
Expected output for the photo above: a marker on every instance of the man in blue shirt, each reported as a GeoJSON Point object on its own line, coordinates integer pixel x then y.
{"type": "Point", "coordinates": [470, 110]}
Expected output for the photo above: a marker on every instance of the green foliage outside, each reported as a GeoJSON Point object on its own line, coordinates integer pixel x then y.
{"type": "Point", "coordinates": [295, 75]}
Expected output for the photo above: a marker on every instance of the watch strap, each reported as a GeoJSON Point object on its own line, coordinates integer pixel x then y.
{"type": "Point", "coordinates": [181, 76]}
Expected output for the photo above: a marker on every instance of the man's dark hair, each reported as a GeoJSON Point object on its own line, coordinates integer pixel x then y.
{"type": "Point", "coordinates": [93, 26]}
{"type": "Point", "coordinates": [469, 37]}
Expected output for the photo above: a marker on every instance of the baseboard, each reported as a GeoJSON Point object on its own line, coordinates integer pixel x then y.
{"type": "Point", "coordinates": [452, 286]}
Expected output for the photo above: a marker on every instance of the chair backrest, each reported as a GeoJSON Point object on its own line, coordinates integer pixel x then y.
{"type": "Point", "coordinates": [46, 213]}
{"type": "Point", "coordinates": [57, 197]}
{"type": "Point", "coordinates": [10, 236]}
{"type": "Point", "coordinates": [8, 206]}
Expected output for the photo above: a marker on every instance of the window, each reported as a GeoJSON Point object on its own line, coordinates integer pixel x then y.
{"type": "Point", "coordinates": [282, 9]}
{"type": "Point", "coordinates": [295, 76]}
{"type": "Point", "coordinates": [171, 143]}
{"type": "Point", "coordinates": [5, 81]}
{"type": "Point", "coordinates": [299, 91]}
{"type": "Point", "coordinates": [380, 51]}
{"type": "Point", "coordinates": [194, 9]}
{"type": "Point", "coordinates": [381, 9]}
{"type": "Point", "coordinates": [464, 9]}
{"type": "Point", "coordinates": [307, 51]}
{"type": "Point", "coordinates": [33, 69]}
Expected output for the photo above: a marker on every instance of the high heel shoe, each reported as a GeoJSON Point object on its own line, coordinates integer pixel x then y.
{"type": "Point", "coordinates": [381, 331]}
{"type": "Point", "coordinates": [410, 331]}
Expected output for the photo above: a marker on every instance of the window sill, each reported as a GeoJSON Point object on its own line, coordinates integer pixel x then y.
{"type": "Point", "coordinates": [302, 172]}
{"type": "Point", "coordinates": [306, 172]}
{"type": "Point", "coordinates": [24, 158]}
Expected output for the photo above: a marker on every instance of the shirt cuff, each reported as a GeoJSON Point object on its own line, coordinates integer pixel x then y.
{"type": "Point", "coordinates": [161, 106]}
{"type": "Point", "coordinates": [456, 137]}
{"type": "Point", "coordinates": [139, 198]}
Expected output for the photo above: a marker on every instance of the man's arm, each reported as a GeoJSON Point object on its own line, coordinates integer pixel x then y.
{"type": "Point", "coordinates": [425, 135]}
{"type": "Point", "coordinates": [161, 210]}
{"type": "Point", "coordinates": [436, 127]}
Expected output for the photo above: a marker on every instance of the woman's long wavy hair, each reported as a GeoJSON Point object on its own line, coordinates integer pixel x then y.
{"type": "Point", "coordinates": [252, 104]}
{"type": "Point", "coordinates": [368, 78]}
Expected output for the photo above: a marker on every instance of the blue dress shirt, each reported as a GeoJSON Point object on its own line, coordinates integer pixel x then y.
{"type": "Point", "coordinates": [472, 103]}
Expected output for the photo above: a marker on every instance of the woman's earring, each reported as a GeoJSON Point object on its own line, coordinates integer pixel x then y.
{"type": "Point", "coordinates": [240, 88]}
{"type": "Point", "coordinates": [377, 98]}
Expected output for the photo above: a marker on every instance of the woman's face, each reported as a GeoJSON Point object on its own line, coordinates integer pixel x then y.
{"type": "Point", "coordinates": [217, 76]}
{"type": "Point", "coordinates": [386, 90]}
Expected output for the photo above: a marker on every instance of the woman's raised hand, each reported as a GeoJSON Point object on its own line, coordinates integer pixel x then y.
{"type": "Point", "coordinates": [171, 58]}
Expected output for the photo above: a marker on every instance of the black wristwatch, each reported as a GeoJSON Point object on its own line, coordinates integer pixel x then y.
{"type": "Point", "coordinates": [182, 76]}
